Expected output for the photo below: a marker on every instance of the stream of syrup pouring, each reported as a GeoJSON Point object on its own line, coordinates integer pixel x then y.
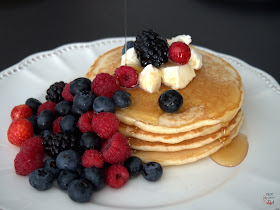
{"type": "Point", "coordinates": [228, 156]}
{"type": "Point", "coordinates": [125, 29]}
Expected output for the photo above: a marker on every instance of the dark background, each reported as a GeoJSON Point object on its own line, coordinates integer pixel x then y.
{"type": "Point", "coordinates": [249, 30]}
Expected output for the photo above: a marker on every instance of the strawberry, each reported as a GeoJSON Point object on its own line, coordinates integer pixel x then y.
{"type": "Point", "coordinates": [21, 111]}
{"type": "Point", "coordinates": [19, 131]}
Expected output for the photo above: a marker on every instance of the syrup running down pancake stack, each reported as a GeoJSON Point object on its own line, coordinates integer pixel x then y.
{"type": "Point", "coordinates": [209, 118]}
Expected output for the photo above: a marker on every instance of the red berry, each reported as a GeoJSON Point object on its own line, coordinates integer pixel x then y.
{"type": "Point", "coordinates": [49, 105]}
{"type": "Point", "coordinates": [179, 52]}
{"type": "Point", "coordinates": [126, 76]}
{"type": "Point", "coordinates": [116, 176]}
{"type": "Point", "coordinates": [105, 124]}
{"type": "Point", "coordinates": [25, 164]}
{"type": "Point", "coordinates": [33, 146]}
{"type": "Point", "coordinates": [92, 158]}
{"type": "Point", "coordinates": [66, 93]}
{"type": "Point", "coordinates": [104, 85]}
{"type": "Point", "coordinates": [21, 111]}
{"type": "Point", "coordinates": [115, 149]}
{"type": "Point", "coordinates": [56, 125]}
{"type": "Point", "coordinates": [84, 122]}
{"type": "Point", "coordinates": [19, 131]}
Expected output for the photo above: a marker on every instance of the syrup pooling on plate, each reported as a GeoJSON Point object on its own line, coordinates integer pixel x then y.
{"type": "Point", "coordinates": [232, 154]}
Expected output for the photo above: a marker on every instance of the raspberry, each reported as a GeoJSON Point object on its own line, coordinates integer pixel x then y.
{"type": "Point", "coordinates": [179, 52]}
{"type": "Point", "coordinates": [66, 93]}
{"type": "Point", "coordinates": [117, 175]}
{"type": "Point", "coordinates": [115, 149]}
{"type": "Point", "coordinates": [21, 111]}
{"type": "Point", "coordinates": [19, 131]}
{"type": "Point", "coordinates": [105, 124]}
{"type": "Point", "coordinates": [33, 146]}
{"type": "Point", "coordinates": [25, 164]}
{"type": "Point", "coordinates": [49, 105]}
{"type": "Point", "coordinates": [126, 76]}
{"type": "Point", "coordinates": [84, 122]}
{"type": "Point", "coordinates": [92, 158]}
{"type": "Point", "coordinates": [56, 125]}
{"type": "Point", "coordinates": [104, 85]}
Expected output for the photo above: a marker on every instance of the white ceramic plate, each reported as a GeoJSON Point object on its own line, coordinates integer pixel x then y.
{"type": "Point", "coordinates": [200, 185]}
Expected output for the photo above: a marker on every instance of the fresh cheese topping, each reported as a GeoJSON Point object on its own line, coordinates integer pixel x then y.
{"type": "Point", "coordinates": [130, 58]}
{"type": "Point", "coordinates": [150, 79]}
{"type": "Point", "coordinates": [195, 60]}
{"type": "Point", "coordinates": [181, 38]}
{"type": "Point", "coordinates": [171, 74]}
{"type": "Point", "coordinates": [177, 76]}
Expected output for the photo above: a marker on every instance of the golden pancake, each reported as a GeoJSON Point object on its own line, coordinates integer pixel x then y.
{"type": "Point", "coordinates": [135, 132]}
{"type": "Point", "coordinates": [187, 144]}
{"type": "Point", "coordinates": [213, 97]}
{"type": "Point", "coordinates": [188, 155]}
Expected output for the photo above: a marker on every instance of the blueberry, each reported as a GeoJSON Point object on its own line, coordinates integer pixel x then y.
{"type": "Point", "coordinates": [170, 101]}
{"type": "Point", "coordinates": [34, 104]}
{"type": "Point", "coordinates": [133, 165]}
{"type": "Point", "coordinates": [76, 111]}
{"type": "Point", "coordinates": [79, 84]}
{"type": "Point", "coordinates": [121, 99]}
{"type": "Point", "coordinates": [45, 120]}
{"type": "Point", "coordinates": [90, 140]}
{"type": "Point", "coordinates": [68, 160]}
{"type": "Point", "coordinates": [33, 120]}
{"type": "Point", "coordinates": [80, 190]}
{"type": "Point", "coordinates": [129, 45]}
{"type": "Point", "coordinates": [84, 100]}
{"type": "Point", "coordinates": [68, 124]}
{"type": "Point", "coordinates": [96, 176]}
{"type": "Point", "coordinates": [152, 171]}
{"type": "Point", "coordinates": [41, 179]}
{"type": "Point", "coordinates": [45, 133]}
{"type": "Point", "coordinates": [50, 165]}
{"type": "Point", "coordinates": [103, 104]}
{"type": "Point", "coordinates": [63, 108]}
{"type": "Point", "coordinates": [65, 177]}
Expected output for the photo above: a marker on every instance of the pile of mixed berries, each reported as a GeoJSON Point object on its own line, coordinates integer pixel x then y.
{"type": "Point", "coordinates": [73, 137]}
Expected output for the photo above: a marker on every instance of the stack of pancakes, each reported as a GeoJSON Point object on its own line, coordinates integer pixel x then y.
{"type": "Point", "coordinates": [209, 118]}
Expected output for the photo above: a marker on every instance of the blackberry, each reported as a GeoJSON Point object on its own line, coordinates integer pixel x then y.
{"type": "Point", "coordinates": [56, 143]}
{"type": "Point", "coordinates": [54, 92]}
{"type": "Point", "coordinates": [151, 48]}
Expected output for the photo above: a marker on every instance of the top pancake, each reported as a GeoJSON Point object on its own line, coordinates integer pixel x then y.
{"type": "Point", "coordinates": [214, 96]}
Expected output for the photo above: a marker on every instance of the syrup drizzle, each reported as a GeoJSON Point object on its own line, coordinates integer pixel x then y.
{"type": "Point", "coordinates": [232, 154]}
